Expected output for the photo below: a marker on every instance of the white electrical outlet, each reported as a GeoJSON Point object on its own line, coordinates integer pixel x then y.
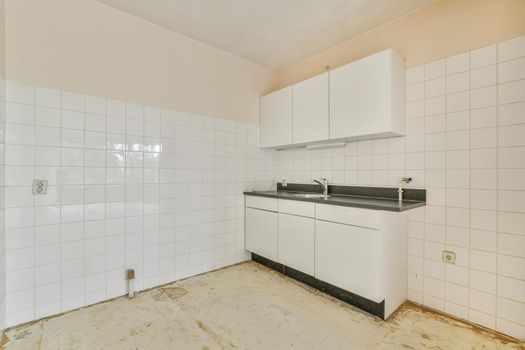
{"type": "Point", "coordinates": [449, 257]}
{"type": "Point", "coordinates": [39, 186]}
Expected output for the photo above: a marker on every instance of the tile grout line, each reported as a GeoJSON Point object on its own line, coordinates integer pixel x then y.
{"type": "Point", "coordinates": [60, 186]}
{"type": "Point", "coordinates": [34, 203]}
{"type": "Point", "coordinates": [445, 275]}
{"type": "Point", "coordinates": [470, 186]}
{"type": "Point", "coordinates": [496, 313]}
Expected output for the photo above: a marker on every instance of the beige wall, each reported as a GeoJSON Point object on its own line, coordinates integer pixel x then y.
{"type": "Point", "coordinates": [87, 47]}
{"type": "Point", "coordinates": [439, 30]}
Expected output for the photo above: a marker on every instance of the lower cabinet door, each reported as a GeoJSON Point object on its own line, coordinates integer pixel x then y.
{"type": "Point", "coordinates": [349, 257]}
{"type": "Point", "coordinates": [261, 232]}
{"type": "Point", "coordinates": [296, 242]}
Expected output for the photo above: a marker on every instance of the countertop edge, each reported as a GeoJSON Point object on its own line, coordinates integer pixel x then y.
{"type": "Point", "coordinates": [413, 205]}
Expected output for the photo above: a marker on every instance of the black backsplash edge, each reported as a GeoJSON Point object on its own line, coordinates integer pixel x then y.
{"type": "Point", "coordinates": [362, 191]}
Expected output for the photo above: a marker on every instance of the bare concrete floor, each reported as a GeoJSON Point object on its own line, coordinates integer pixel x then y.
{"type": "Point", "coordinates": [246, 306]}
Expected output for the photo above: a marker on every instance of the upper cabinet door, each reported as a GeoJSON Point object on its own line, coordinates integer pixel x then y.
{"type": "Point", "coordinates": [367, 97]}
{"type": "Point", "coordinates": [310, 110]}
{"type": "Point", "coordinates": [275, 127]}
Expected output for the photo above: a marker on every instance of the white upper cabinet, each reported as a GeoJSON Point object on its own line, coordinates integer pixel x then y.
{"type": "Point", "coordinates": [367, 97]}
{"type": "Point", "coordinates": [310, 110]}
{"type": "Point", "coordinates": [275, 127]}
{"type": "Point", "coordinates": [364, 99]}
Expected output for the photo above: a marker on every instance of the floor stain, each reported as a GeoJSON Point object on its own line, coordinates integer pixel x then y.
{"type": "Point", "coordinates": [22, 334]}
{"type": "Point", "coordinates": [171, 293]}
{"type": "Point", "coordinates": [174, 292]}
{"type": "Point", "coordinates": [214, 336]}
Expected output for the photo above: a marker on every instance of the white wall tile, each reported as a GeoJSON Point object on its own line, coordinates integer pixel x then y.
{"type": "Point", "coordinates": [19, 113]}
{"type": "Point", "coordinates": [511, 179]}
{"type": "Point", "coordinates": [72, 101]}
{"type": "Point", "coordinates": [19, 300]}
{"type": "Point", "coordinates": [459, 101]}
{"type": "Point", "coordinates": [483, 219]}
{"type": "Point", "coordinates": [95, 105]}
{"type": "Point", "coordinates": [458, 120]}
{"type": "Point", "coordinates": [47, 97]}
{"type": "Point", "coordinates": [484, 117]}
{"type": "Point", "coordinates": [47, 116]}
{"type": "Point", "coordinates": [511, 114]}
{"type": "Point", "coordinates": [482, 319]}
{"type": "Point", "coordinates": [72, 120]}
{"type": "Point", "coordinates": [458, 63]}
{"type": "Point", "coordinates": [485, 158]}
{"type": "Point", "coordinates": [456, 294]}
{"type": "Point", "coordinates": [19, 93]}
{"type": "Point", "coordinates": [511, 70]}
{"type": "Point", "coordinates": [511, 222]}
{"type": "Point", "coordinates": [513, 329]}
{"type": "Point", "coordinates": [510, 49]}
{"type": "Point", "coordinates": [435, 69]}
{"type": "Point", "coordinates": [483, 281]}
{"type": "Point", "coordinates": [511, 310]}
{"type": "Point", "coordinates": [483, 240]}
{"type": "Point", "coordinates": [415, 75]}
{"type": "Point", "coordinates": [484, 138]}
{"type": "Point", "coordinates": [483, 97]}
{"type": "Point", "coordinates": [511, 288]}
{"type": "Point", "coordinates": [511, 244]}
{"type": "Point", "coordinates": [513, 201]}
{"type": "Point", "coordinates": [483, 260]}
{"type": "Point", "coordinates": [511, 266]}
{"type": "Point", "coordinates": [483, 56]}
{"type": "Point", "coordinates": [415, 92]}
{"type": "Point", "coordinates": [511, 92]}
{"type": "Point", "coordinates": [484, 76]}
{"type": "Point", "coordinates": [415, 109]}
{"type": "Point", "coordinates": [458, 82]}
{"type": "Point", "coordinates": [435, 87]}
{"type": "Point", "coordinates": [116, 108]}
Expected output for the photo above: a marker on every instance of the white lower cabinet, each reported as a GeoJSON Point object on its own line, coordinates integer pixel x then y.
{"type": "Point", "coordinates": [362, 251]}
{"type": "Point", "coordinates": [261, 232]}
{"type": "Point", "coordinates": [349, 257]}
{"type": "Point", "coordinates": [296, 242]}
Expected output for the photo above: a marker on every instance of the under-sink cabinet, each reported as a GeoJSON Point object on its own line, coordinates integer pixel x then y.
{"type": "Point", "coordinates": [358, 253]}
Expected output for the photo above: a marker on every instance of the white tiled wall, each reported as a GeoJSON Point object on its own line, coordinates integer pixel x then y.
{"type": "Point", "coordinates": [130, 186]}
{"type": "Point", "coordinates": [465, 144]}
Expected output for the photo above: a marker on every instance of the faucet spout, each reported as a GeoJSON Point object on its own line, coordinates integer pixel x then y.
{"type": "Point", "coordinates": [323, 183]}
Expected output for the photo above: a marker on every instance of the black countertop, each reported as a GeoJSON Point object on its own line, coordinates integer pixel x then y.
{"type": "Point", "coordinates": [379, 198]}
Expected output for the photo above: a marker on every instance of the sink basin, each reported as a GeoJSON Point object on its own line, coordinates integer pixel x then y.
{"type": "Point", "coordinates": [310, 195]}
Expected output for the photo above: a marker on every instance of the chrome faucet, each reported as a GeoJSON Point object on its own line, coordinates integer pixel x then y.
{"type": "Point", "coordinates": [324, 185]}
{"type": "Point", "coordinates": [403, 180]}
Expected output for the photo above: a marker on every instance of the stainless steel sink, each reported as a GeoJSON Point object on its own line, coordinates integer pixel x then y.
{"type": "Point", "coordinates": [310, 195]}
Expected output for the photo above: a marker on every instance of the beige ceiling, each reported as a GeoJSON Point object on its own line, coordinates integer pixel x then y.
{"type": "Point", "coordinates": [273, 33]}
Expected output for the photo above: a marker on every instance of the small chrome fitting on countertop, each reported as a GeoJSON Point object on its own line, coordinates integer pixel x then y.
{"type": "Point", "coordinates": [403, 180]}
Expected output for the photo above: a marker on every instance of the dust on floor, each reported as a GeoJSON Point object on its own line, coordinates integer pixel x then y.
{"type": "Point", "coordinates": [245, 306]}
